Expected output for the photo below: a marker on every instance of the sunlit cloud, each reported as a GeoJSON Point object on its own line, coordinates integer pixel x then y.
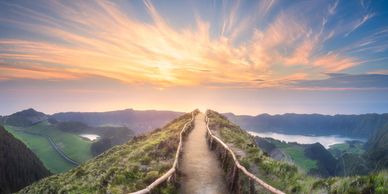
{"type": "Point", "coordinates": [102, 39]}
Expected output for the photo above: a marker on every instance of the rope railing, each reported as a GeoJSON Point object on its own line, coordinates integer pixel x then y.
{"type": "Point", "coordinates": [172, 172]}
{"type": "Point", "coordinates": [238, 166]}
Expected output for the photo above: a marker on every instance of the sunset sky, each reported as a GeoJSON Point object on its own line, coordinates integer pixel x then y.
{"type": "Point", "coordinates": [246, 57]}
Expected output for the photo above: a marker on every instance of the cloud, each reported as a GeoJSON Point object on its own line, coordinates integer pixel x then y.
{"type": "Point", "coordinates": [99, 38]}
{"type": "Point", "coordinates": [359, 23]}
{"type": "Point", "coordinates": [336, 81]}
{"type": "Point", "coordinates": [334, 63]}
{"type": "Point", "coordinates": [333, 7]}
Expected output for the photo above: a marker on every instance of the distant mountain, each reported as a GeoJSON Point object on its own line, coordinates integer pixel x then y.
{"type": "Point", "coordinates": [139, 121]}
{"type": "Point", "coordinates": [19, 166]}
{"type": "Point", "coordinates": [109, 136]}
{"type": "Point", "coordinates": [357, 126]}
{"type": "Point", "coordinates": [24, 118]}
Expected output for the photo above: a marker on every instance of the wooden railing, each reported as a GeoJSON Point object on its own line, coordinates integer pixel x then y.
{"type": "Point", "coordinates": [234, 183]}
{"type": "Point", "coordinates": [170, 174]}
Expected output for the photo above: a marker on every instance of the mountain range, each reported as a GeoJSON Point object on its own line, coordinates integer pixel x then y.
{"type": "Point", "coordinates": [137, 120]}
{"type": "Point", "coordinates": [355, 126]}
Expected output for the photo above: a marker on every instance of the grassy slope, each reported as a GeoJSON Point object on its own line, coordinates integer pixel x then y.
{"type": "Point", "coordinates": [296, 152]}
{"type": "Point", "coordinates": [125, 168]}
{"type": "Point", "coordinates": [339, 149]}
{"type": "Point", "coordinates": [42, 148]}
{"type": "Point", "coordinates": [72, 145]}
{"type": "Point", "coordinates": [285, 176]}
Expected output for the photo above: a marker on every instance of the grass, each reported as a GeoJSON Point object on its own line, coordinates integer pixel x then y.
{"type": "Point", "coordinates": [296, 152]}
{"type": "Point", "coordinates": [122, 169]}
{"type": "Point", "coordinates": [348, 147]}
{"type": "Point", "coordinates": [72, 145]}
{"type": "Point", "coordinates": [42, 149]}
{"type": "Point", "coordinates": [287, 177]}
{"type": "Point", "coordinates": [297, 155]}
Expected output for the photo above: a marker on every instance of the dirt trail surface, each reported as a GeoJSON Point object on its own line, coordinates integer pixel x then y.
{"type": "Point", "coordinates": [201, 170]}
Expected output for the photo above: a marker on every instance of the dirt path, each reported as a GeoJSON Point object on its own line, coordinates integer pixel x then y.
{"type": "Point", "coordinates": [200, 167]}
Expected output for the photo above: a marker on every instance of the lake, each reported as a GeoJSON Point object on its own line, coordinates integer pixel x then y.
{"type": "Point", "coordinates": [90, 137]}
{"type": "Point", "coordinates": [326, 141]}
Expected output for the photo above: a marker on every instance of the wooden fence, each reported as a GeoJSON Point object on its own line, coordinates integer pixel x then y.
{"type": "Point", "coordinates": [239, 179]}
{"type": "Point", "coordinates": [170, 175]}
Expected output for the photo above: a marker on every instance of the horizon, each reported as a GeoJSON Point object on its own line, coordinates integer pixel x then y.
{"type": "Point", "coordinates": [244, 57]}
{"type": "Point", "coordinates": [201, 110]}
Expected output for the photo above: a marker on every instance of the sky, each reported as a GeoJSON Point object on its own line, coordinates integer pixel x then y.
{"type": "Point", "coordinates": [245, 57]}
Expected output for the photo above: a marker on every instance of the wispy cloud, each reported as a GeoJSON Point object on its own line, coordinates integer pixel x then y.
{"type": "Point", "coordinates": [359, 23]}
{"type": "Point", "coordinates": [101, 39]}
{"type": "Point", "coordinates": [345, 82]}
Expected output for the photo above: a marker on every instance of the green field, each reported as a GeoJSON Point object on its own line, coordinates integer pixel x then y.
{"type": "Point", "coordinates": [348, 147]}
{"type": "Point", "coordinates": [296, 152]}
{"type": "Point", "coordinates": [72, 145]}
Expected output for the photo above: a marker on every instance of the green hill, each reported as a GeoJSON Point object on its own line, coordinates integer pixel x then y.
{"type": "Point", "coordinates": [18, 165]}
{"type": "Point", "coordinates": [286, 176]}
{"type": "Point", "coordinates": [42, 148]}
{"type": "Point", "coordinates": [24, 118]}
{"type": "Point", "coordinates": [123, 168]}
{"type": "Point", "coordinates": [377, 147]}
{"type": "Point", "coordinates": [45, 136]}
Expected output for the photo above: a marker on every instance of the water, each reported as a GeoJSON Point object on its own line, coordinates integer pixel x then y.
{"type": "Point", "coordinates": [90, 137]}
{"type": "Point", "coordinates": [326, 141]}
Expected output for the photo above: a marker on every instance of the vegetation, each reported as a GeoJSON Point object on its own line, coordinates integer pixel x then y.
{"type": "Point", "coordinates": [18, 165]}
{"type": "Point", "coordinates": [36, 129]}
{"type": "Point", "coordinates": [72, 145]}
{"type": "Point", "coordinates": [349, 147]}
{"type": "Point", "coordinates": [24, 118]}
{"type": "Point", "coordinates": [285, 176]}
{"type": "Point", "coordinates": [377, 148]}
{"type": "Point", "coordinates": [358, 126]}
{"type": "Point", "coordinates": [296, 152]}
{"type": "Point", "coordinates": [42, 148]}
{"type": "Point", "coordinates": [124, 168]}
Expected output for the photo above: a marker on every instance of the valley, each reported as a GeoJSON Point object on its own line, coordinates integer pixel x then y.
{"type": "Point", "coordinates": [60, 145]}
{"type": "Point", "coordinates": [291, 167]}
{"type": "Point", "coordinates": [194, 97]}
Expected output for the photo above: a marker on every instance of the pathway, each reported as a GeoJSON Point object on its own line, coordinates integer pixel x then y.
{"type": "Point", "coordinates": [200, 167]}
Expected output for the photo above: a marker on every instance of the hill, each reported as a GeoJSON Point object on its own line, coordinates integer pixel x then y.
{"type": "Point", "coordinates": [139, 121]}
{"type": "Point", "coordinates": [121, 169]}
{"type": "Point", "coordinates": [357, 126]}
{"type": "Point", "coordinates": [18, 165]}
{"type": "Point", "coordinates": [53, 140]}
{"type": "Point", "coordinates": [24, 118]}
{"type": "Point", "coordinates": [377, 147]}
{"type": "Point", "coordinates": [325, 161]}
{"type": "Point", "coordinates": [286, 176]}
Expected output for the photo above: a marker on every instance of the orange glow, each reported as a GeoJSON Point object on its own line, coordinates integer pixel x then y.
{"type": "Point", "coordinates": [112, 45]}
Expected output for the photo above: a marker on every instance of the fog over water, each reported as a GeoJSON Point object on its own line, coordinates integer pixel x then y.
{"type": "Point", "coordinates": [326, 141]}
{"type": "Point", "coordinates": [91, 137]}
